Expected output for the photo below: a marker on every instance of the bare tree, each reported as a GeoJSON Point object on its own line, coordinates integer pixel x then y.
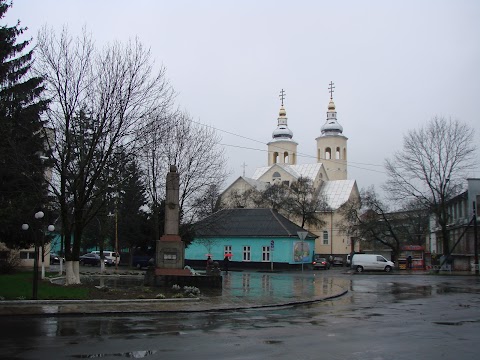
{"type": "Point", "coordinates": [207, 202]}
{"type": "Point", "coordinates": [101, 101]}
{"type": "Point", "coordinates": [368, 219]}
{"type": "Point", "coordinates": [306, 203]}
{"type": "Point", "coordinates": [432, 166]}
{"type": "Point", "coordinates": [195, 150]}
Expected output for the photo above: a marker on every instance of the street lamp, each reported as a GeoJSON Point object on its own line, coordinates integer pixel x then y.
{"type": "Point", "coordinates": [38, 215]}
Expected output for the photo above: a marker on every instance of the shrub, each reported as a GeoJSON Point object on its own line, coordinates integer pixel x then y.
{"type": "Point", "coordinates": [9, 261]}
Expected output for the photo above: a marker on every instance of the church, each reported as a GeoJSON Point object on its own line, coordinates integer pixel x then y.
{"type": "Point", "coordinates": [328, 175]}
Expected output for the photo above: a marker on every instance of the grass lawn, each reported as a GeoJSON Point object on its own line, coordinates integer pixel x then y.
{"type": "Point", "coordinates": [20, 286]}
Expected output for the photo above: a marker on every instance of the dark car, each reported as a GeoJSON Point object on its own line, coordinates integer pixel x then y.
{"type": "Point", "coordinates": [142, 261]}
{"type": "Point", "coordinates": [337, 261]}
{"type": "Point", "coordinates": [90, 259]}
{"type": "Point", "coordinates": [320, 263]}
{"type": "Point", "coordinates": [109, 262]}
{"type": "Point", "coordinates": [55, 259]}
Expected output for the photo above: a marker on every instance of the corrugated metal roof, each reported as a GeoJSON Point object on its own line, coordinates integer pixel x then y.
{"type": "Point", "coordinates": [259, 185]}
{"type": "Point", "coordinates": [336, 192]}
{"type": "Point", "coordinates": [247, 223]}
{"type": "Point", "coordinates": [309, 171]}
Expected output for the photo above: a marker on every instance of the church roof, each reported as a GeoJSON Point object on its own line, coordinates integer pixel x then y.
{"type": "Point", "coordinates": [309, 171]}
{"type": "Point", "coordinates": [337, 192]}
{"type": "Point", "coordinates": [259, 185]}
{"type": "Point", "coordinates": [247, 223]}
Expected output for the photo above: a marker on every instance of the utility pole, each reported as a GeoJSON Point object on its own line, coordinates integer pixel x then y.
{"type": "Point", "coordinates": [475, 240]}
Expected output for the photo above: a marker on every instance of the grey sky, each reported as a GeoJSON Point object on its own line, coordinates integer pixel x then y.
{"type": "Point", "coordinates": [395, 65]}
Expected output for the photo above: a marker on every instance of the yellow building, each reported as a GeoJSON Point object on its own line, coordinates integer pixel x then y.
{"type": "Point", "coordinates": [328, 175]}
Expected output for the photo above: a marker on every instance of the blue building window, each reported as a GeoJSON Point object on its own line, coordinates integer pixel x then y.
{"type": "Point", "coordinates": [246, 253]}
{"type": "Point", "coordinates": [266, 253]}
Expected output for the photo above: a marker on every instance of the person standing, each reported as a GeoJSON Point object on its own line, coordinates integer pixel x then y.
{"type": "Point", "coordinates": [226, 261]}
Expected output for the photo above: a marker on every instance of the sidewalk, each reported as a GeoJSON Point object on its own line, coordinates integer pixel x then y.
{"type": "Point", "coordinates": [241, 290]}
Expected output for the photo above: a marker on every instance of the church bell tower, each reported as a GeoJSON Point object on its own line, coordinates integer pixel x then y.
{"type": "Point", "coordinates": [282, 149]}
{"type": "Point", "coordinates": [332, 144]}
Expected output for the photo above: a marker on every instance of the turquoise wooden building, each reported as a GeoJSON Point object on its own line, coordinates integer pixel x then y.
{"type": "Point", "coordinates": [252, 238]}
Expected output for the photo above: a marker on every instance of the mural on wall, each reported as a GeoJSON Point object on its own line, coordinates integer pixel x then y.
{"type": "Point", "coordinates": [301, 251]}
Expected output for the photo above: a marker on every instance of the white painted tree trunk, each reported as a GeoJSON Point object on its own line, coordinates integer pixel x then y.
{"type": "Point", "coordinates": [72, 273]}
{"type": "Point", "coordinates": [102, 266]}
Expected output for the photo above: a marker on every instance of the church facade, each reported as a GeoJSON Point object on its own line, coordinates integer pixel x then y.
{"type": "Point", "coordinates": [328, 176]}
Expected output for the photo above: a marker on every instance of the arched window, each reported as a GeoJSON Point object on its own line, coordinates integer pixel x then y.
{"type": "Point", "coordinates": [276, 177]}
{"type": "Point", "coordinates": [337, 153]}
{"type": "Point", "coordinates": [328, 153]}
{"type": "Point", "coordinates": [344, 154]}
{"type": "Point", "coordinates": [275, 157]}
{"type": "Point", "coordinates": [285, 157]}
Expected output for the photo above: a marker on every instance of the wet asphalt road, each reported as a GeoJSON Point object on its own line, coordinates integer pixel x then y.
{"type": "Point", "coordinates": [381, 317]}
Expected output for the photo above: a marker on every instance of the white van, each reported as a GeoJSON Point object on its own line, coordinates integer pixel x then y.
{"type": "Point", "coordinates": [109, 255]}
{"type": "Point", "coordinates": [362, 262]}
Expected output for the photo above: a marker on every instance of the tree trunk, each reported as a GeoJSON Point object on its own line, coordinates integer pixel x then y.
{"type": "Point", "coordinates": [72, 273]}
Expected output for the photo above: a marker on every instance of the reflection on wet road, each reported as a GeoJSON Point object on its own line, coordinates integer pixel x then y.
{"type": "Point", "coordinates": [381, 317]}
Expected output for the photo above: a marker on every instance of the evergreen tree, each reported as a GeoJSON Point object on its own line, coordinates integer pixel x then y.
{"type": "Point", "coordinates": [22, 135]}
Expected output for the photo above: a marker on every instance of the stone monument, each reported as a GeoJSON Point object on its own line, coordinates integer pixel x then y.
{"type": "Point", "coordinates": [170, 249]}
{"type": "Point", "coordinates": [170, 253]}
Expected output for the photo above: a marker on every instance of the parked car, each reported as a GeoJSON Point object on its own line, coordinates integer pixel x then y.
{"type": "Point", "coordinates": [55, 259]}
{"type": "Point", "coordinates": [108, 255]}
{"type": "Point", "coordinates": [320, 263]}
{"type": "Point", "coordinates": [337, 261]}
{"type": "Point", "coordinates": [109, 262]}
{"type": "Point", "coordinates": [141, 261]}
{"type": "Point", "coordinates": [90, 259]}
{"type": "Point", "coordinates": [362, 262]}
{"type": "Point", "coordinates": [349, 260]}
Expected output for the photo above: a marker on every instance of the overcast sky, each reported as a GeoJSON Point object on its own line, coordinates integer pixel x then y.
{"type": "Point", "coordinates": [395, 65]}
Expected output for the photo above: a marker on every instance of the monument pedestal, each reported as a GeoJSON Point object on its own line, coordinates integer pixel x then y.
{"type": "Point", "coordinates": [170, 253]}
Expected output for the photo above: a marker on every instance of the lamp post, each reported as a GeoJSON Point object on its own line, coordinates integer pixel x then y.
{"type": "Point", "coordinates": [38, 215]}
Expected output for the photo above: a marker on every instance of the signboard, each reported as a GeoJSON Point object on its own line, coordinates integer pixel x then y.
{"type": "Point", "coordinates": [272, 244]}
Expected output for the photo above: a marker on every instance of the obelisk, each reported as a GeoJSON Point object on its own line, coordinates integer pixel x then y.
{"type": "Point", "coordinates": [170, 254]}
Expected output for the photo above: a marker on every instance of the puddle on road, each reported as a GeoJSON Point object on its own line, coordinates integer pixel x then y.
{"type": "Point", "coordinates": [140, 354]}
{"type": "Point", "coordinates": [273, 342]}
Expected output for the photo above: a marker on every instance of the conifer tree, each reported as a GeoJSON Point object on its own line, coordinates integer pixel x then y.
{"type": "Point", "coordinates": [22, 149]}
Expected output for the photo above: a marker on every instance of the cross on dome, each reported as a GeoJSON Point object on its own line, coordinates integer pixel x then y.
{"type": "Point", "coordinates": [282, 95]}
{"type": "Point", "coordinates": [330, 89]}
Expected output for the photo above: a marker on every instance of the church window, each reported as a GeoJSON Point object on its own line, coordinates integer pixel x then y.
{"type": "Point", "coordinates": [337, 153]}
{"type": "Point", "coordinates": [285, 157]}
{"type": "Point", "coordinates": [325, 237]}
{"type": "Point", "coordinates": [275, 157]}
{"type": "Point", "coordinates": [328, 153]}
{"type": "Point", "coordinates": [286, 182]}
{"type": "Point", "coordinates": [276, 177]}
{"type": "Point", "coordinates": [344, 154]}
